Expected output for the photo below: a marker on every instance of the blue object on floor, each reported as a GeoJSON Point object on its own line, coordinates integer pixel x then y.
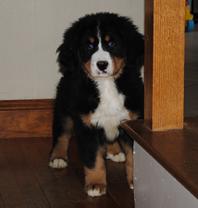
{"type": "Point", "coordinates": [190, 25]}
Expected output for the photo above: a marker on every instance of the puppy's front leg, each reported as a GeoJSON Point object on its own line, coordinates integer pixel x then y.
{"type": "Point", "coordinates": [92, 150]}
{"type": "Point", "coordinates": [62, 133]}
{"type": "Point", "coordinates": [127, 145]}
{"type": "Point", "coordinates": [95, 178]}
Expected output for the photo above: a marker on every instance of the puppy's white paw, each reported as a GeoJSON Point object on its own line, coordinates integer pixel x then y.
{"type": "Point", "coordinates": [131, 186]}
{"type": "Point", "coordinates": [96, 190]}
{"type": "Point", "coordinates": [120, 157]}
{"type": "Point", "coordinates": [58, 163]}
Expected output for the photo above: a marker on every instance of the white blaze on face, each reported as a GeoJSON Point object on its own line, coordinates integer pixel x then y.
{"type": "Point", "coordinates": [101, 55]}
{"type": "Point", "coordinates": [142, 73]}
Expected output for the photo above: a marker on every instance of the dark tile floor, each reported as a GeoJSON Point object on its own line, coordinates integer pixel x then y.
{"type": "Point", "coordinates": [191, 74]}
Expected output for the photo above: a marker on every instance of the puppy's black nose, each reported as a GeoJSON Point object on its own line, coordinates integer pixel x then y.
{"type": "Point", "coordinates": [102, 65]}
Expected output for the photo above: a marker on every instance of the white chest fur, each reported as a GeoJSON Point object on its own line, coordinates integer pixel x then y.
{"type": "Point", "coordinates": [110, 111]}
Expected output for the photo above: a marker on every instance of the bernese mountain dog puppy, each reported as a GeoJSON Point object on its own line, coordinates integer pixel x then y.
{"type": "Point", "coordinates": [100, 59]}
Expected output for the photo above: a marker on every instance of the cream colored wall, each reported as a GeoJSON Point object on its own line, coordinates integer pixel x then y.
{"type": "Point", "coordinates": [31, 30]}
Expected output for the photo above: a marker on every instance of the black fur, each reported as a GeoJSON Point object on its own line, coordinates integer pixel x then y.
{"type": "Point", "coordinates": [77, 93]}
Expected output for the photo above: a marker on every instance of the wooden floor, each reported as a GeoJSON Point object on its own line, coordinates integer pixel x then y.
{"type": "Point", "coordinates": [27, 181]}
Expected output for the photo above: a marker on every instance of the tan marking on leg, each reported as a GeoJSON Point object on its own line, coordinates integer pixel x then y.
{"type": "Point", "coordinates": [86, 119]}
{"type": "Point", "coordinates": [69, 124]}
{"type": "Point", "coordinates": [58, 158]}
{"type": "Point", "coordinates": [114, 148]}
{"type": "Point", "coordinates": [115, 153]}
{"type": "Point", "coordinates": [92, 39]}
{"type": "Point", "coordinates": [133, 115]}
{"type": "Point", "coordinates": [60, 150]}
{"type": "Point", "coordinates": [129, 163]}
{"type": "Point", "coordinates": [107, 38]}
{"type": "Point", "coordinates": [95, 178]}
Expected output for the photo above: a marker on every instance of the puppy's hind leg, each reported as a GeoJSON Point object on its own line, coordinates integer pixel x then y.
{"type": "Point", "coordinates": [61, 139]}
{"type": "Point", "coordinates": [129, 164]}
{"type": "Point", "coordinates": [127, 145]}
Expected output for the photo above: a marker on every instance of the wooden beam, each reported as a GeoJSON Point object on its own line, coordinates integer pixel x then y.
{"type": "Point", "coordinates": [164, 63]}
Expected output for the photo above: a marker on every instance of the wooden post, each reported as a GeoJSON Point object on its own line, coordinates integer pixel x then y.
{"type": "Point", "coordinates": [164, 63]}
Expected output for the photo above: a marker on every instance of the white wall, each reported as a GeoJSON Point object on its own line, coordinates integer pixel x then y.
{"type": "Point", "coordinates": [155, 187]}
{"type": "Point", "coordinates": [30, 32]}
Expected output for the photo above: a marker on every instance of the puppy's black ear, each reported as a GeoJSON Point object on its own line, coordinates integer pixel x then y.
{"type": "Point", "coordinates": [67, 53]}
{"type": "Point", "coordinates": [135, 54]}
{"type": "Point", "coordinates": [134, 41]}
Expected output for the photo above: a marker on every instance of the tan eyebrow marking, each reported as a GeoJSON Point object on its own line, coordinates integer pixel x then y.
{"type": "Point", "coordinates": [107, 38]}
{"type": "Point", "coordinates": [91, 39]}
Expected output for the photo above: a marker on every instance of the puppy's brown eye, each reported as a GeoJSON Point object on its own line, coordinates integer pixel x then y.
{"type": "Point", "coordinates": [111, 44]}
{"type": "Point", "coordinates": [90, 46]}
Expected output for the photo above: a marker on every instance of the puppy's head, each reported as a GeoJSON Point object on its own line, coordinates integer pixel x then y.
{"type": "Point", "coordinates": [101, 45]}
